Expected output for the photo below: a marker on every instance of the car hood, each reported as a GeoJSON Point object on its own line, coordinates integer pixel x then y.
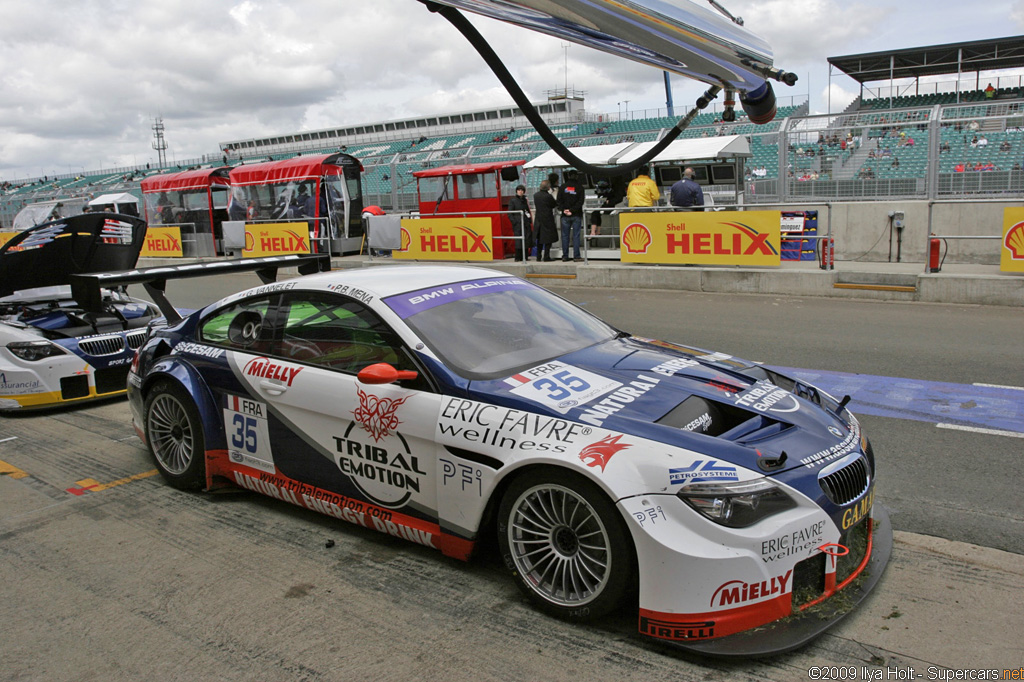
{"type": "Point", "coordinates": [689, 398]}
{"type": "Point", "coordinates": [48, 254]}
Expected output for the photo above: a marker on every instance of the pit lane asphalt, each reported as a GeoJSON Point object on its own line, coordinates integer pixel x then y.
{"type": "Point", "coordinates": [131, 579]}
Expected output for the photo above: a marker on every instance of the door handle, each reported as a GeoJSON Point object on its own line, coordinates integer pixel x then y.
{"type": "Point", "coordinates": [272, 387]}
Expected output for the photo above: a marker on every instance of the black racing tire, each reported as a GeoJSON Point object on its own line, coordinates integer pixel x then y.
{"type": "Point", "coordinates": [566, 545]}
{"type": "Point", "coordinates": [175, 436]}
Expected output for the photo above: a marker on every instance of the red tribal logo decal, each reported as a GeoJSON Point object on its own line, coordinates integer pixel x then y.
{"type": "Point", "coordinates": [598, 454]}
{"type": "Point", "coordinates": [377, 415]}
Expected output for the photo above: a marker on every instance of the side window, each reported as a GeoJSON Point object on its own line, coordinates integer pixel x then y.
{"type": "Point", "coordinates": [337, 333]}
{"type": "Point", "coordinates": [242, 325]}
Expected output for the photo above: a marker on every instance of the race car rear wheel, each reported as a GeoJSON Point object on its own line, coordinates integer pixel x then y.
{"type": "Point", "coordinates": [175, 436]}
{"type": "Point", "coordinates": [565, 544]}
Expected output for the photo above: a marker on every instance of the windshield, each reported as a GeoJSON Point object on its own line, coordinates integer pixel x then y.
{"type": "Point", "coordinates": [488, 328]}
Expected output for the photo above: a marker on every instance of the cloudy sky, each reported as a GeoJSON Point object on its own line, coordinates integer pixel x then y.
{"type": "Point", "coordinates": [82, 80]}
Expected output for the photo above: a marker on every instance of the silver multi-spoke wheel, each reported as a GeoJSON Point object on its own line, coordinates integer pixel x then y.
{"type": "Point", "coordinates": [559, 545]}
{"type": "Point", "coordinates": [175, 435]}
{"type": "Point", "coordinates": [170, 433]}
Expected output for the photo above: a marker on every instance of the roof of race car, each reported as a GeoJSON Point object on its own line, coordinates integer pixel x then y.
{"type": "Point", "coordinates": [387, 280]}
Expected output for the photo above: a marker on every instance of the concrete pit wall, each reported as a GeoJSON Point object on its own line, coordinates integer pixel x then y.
{"type": "Point", "coordinates": [861, 230]}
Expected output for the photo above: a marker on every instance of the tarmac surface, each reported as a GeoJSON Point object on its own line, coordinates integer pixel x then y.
{"type": "Point", "coordinates": [110, 574]}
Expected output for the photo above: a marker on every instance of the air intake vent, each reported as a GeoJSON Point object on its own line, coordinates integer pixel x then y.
{"type": "Point", "coordinates": [103, 345]}
{"type": "Point", "coordinates": [846, 483]}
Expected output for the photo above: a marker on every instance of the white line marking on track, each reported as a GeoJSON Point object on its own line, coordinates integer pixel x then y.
{"type": "Point", "coordinates": [4, 440]}
{"type": "Point", "coordinates": [1012, 388]}
{"type": "Point", "coordinates": [976, 429]}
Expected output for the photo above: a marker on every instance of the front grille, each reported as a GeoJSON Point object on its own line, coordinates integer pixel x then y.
{"type": "Point", "coordinates": [136, 338]}
{"type": "Point", "coordinates": [847, 483]}
{"type": "Point", "coordinates": [102, 345]}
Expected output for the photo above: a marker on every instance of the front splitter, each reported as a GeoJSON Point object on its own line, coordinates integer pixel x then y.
{"type": "Point", "coordinates": [797, 630]}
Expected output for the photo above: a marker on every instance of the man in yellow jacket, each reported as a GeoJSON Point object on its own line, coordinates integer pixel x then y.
{"type": "Point", "coordinates": [643, 191]}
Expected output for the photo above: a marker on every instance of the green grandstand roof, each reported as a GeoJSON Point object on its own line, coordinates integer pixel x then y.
{"type": "Point", "coordinates": [935, 60]}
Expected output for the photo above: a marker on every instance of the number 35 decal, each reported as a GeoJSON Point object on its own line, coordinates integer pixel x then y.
{"type": "Point", "coordinates": [245, 425]}
{"type": "Point", "coordinates": [559, 386]}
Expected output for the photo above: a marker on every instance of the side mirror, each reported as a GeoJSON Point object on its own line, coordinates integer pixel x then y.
{"type": "Point", "coordinates": [383, 373]}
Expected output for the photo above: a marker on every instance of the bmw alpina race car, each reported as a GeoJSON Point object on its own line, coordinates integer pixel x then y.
{"type": "Point", "coordinates": [52, 351]}
{"type": "Point", "coordinates": [706, 495]}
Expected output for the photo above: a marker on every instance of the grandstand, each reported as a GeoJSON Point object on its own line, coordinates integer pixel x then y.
{"type": "Point", "coordinates": [910, 140]}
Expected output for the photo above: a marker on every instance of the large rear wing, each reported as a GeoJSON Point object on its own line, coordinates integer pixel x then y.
{"type": "Point", "coordinates": [87, 289]}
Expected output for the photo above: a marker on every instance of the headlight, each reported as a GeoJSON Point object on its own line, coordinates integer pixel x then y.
{"type": "Point", "coordinates": [34, 350]}
{"type": "Point", "coordinates": [737, 505]}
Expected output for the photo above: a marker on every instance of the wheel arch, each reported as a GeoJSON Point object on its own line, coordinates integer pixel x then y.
{"type": "Point", "coordinates": [488, 520]}
{"type": "Point", "coordinates": [171, 368]}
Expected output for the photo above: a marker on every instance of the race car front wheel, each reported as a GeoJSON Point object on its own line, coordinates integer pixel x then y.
{"type": "Point", "coordinates": [565, 544]}
{"type": "Point", "coordinates": [175, 436]}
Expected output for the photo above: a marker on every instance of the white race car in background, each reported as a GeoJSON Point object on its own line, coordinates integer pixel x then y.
{"type": "Point", "coordinates": [52, 350]}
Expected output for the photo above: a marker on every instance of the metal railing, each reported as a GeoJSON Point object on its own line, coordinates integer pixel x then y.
{"type": "Point", "coordinates": [931, 235]}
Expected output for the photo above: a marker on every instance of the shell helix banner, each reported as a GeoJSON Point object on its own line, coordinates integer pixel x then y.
{"type": "Point", "coordinates": [162, 242]}
{"type": "Point", "coordinates": [446, 239]}
{"type": "Point", "coordinates": [275, 239]}
{"type": "Point", "coordinates": [1011, 257]}
{"type": "Point", "coordinates": [709, 238]}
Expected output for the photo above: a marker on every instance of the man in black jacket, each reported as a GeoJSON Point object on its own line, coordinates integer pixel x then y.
{"type": "Point", "coordinates": [570, 205]}
{"type": "Point", "coordinates": [544, 221]}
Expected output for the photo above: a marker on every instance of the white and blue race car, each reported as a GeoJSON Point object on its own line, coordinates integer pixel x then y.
{"type": "Point", "coordinates": [52, 350]}
{"type": "Point", "coordinates": [705, 495]}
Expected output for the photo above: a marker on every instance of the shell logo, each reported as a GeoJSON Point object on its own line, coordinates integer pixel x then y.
{"type": "Point", "coordinates": [406, 239]}
{"type": "Point", "coordinates": [1014, 241]}
{"type": "Point", "coordinates": [636, 238]}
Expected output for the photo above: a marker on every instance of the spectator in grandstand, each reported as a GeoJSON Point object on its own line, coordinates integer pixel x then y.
{"type": "Point", "coordinates": [643, 191]}
{"type": "Point", "coordinates": [1016, 166]}
{"type": "Point", "coordinates": [1005, 146]}
{"type": "Point", "coordinates": [895, 162]}
{"type": "Point", "coordinates": [944, 147]}
{"type": "Point", "coordinates": [522, 222]}
{"type": "Point", "coordinates": [687, 193]}
{"type": "Point", "coordinates": [974, 141]}
{"type": "Point", "coordinates": [990, 92]}
{"type": "Point", "coordinates": [982, 141]}
{"type": "Point", "coordinates": [544, 221]}
{"type": "Point", "coordinates": [959, 168]}
{"type": "Point", "coordinates": [973, 126]}
{"type": "Point", "coordinates": [570, 205]}
{"type": "Point", "coordinates": [909, 141]}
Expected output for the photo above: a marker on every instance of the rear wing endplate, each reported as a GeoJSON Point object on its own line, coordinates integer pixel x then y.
{"type": "Point", "coordinates": [87, 290]}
